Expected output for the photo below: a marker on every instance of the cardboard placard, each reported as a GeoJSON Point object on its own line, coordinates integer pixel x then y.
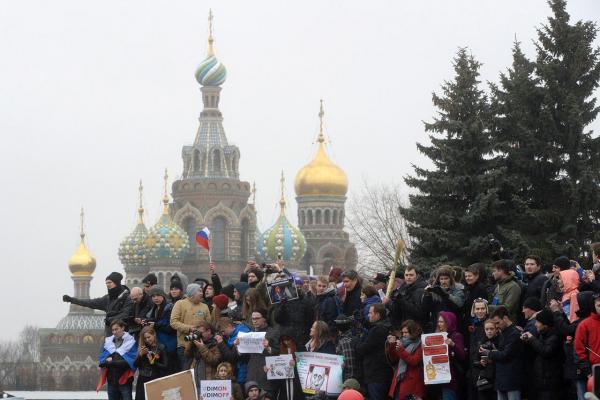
{"type": "Point", "coordinates": [179, 386]}
{"type": "Point", "coordinates": [436, 359]}
{"type": "Point", "coordinates": [215, 390]}
{"type": "Point", "coordinates": [251, 342]}
{"type": "Point", "coordinates": [320, 372]}
{"type": "Point", "coordinates": [280, 367]}
{"type": "Point", "coordinates": [282, 289]}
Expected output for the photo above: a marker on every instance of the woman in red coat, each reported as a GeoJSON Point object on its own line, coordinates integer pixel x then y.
{"type": "Point", "coordinates": [408, 374]}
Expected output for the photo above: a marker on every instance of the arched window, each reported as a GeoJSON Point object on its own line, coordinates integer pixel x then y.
{"type": "Point", "coordinates": [217, 161]}
{"type": "Point", "coordinates": [189, 224]}
{"type": "Point", "coordinates": [335, 217]}
{"type": "Point", "coordinates": [196, 161]}
{"type": "Point", "coordinates": [327, 217]}
{"type": "Point", "coordinates": [244, 239]}
{"type": "Point", "coordinates": [302, 218]}
{"type": "Point", "coordinates": [318, 217]}
{"type": "Point", "coordinates": [161, 279]}
{"type": "Point", "coordinates": [310, 217]}
{"type": "Point", "coordinates": [218, 232]}
{"type": "Point", "coordinates": [341, 222]}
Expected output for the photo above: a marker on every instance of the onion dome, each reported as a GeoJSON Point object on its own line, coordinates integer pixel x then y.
{"type": "Point", "coordinates": [282, 239]}
{"type": "Point", "coordinates": [132, 250]}
{"type": "Point", "coordinates": [321, 176]}
{"type": "Point", "coordinates": [166, 240]}
{"type": "Point", "coordinates": [82, 263]}
{"type": "Point", "coordinates": [211, 72]}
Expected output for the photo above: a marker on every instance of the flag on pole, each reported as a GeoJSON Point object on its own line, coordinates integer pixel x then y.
{"type": "Point", "coordinates": [202, 237]}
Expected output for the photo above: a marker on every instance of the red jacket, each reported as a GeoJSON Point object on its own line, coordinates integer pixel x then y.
{"type": "Point", "coordinates": [588, 335]}
{"type": "Point", "coordinates": [413, 382]}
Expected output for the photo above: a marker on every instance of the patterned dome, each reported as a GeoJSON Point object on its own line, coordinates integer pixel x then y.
{"type": "Point", "coordinates": [132, 250]}
{"type": "Point", "coordinates": [282, 238]}
{"type": "Point", "coordinates": [211, 72]}
{"type": "Point", "coordinates": [82, 262]}
{"type": "Point", "coordinates": [166, 240]}
{"type": "Point", "coordinates": [82, 322]}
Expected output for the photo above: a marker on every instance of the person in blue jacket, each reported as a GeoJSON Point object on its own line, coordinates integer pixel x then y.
{"type": "Point", "coordinates": [159, 317]}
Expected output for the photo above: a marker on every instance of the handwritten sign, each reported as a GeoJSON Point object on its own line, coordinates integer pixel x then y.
{"type": "Point", "coordinates": [280, 367]}
{"type": "Point", "coordinates": [251, 342]}
{"type": "Point", "coordinates": [215, 390]}
{"type": "Point", "coordinates": [320, 372]}
{"type": "Point", "coordinates": [436, 360]}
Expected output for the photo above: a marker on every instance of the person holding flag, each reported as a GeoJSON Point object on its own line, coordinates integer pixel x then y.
{"type": "Point", "coordinates": [116, 360]}
{"type": "Point", "coordinates": [202, 239]}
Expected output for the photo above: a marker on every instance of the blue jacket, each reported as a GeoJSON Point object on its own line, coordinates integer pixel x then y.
{"type": "Point", "coordinates": [369, 301]}
{"type": "Point", "coordinates": [241, 366]}
{"type": "Point", "coordinates": [164, 332]}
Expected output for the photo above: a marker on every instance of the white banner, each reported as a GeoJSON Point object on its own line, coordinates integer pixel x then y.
{"type": "Point", "coordinates": [280, 367]}
{"type": "Point", "coordinates": [251, 342]}
{"type": "Point", "coordinates": [215, 390]}
{"type": "Point", "coordinates": [436, 360]}
{"type": "Point", "coordinates": [320, 372]}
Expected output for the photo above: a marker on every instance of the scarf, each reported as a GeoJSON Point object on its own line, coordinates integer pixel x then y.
{"type": "Point", "coordinates": [410, 346]}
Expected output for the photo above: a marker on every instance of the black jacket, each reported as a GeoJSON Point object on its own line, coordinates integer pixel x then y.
{"type": "Point", "coordinates": [116, 304]}
{"type": "Point", "coordinates": [152, 371]}
{"type": "Point", "coordinates": [508, 359]}
{"type": "Point", "coordinates": [407, 303]}
{"type": "Point", "coordinates": [372, 353]}
{"type": "Point", "coordinates": [533, 285]}
{"type": "Point", "coordinates": [297, 315]}
{"type": "Point", "coordinates": [549, 357]}
{"type": "Point", "coordinates": [139, 311]}
{"type": "Point", "coordinates": [326, 309]}
{"type": "Point", "coordinates": [352, 302]}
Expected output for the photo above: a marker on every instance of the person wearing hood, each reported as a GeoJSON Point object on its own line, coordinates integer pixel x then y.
{"type": "Point", "coordinates": [443, 295]}
{"type": "Point", "coordinates": [507, 292]}
{"type": "Point", "coordinates": [253, 391]}
{"type": "Point", "coordinates": [326, 307]}
{"type": "Point", "coordinates": [116, 303]}
{"type": "Point", "coordinates": [159, 317]}
{"type": "Point", "coordinates": [551, 289]}
{"type": "Point", "coordinates": [406, 351]}
{"type": "Point", "coordinates": [406, 302]}
{"type": "Point", "coordinates": [568, 283]}
{"type": "Point", "coordinates": [447, 322]}
{"type": "Point", "coordinates": [548, 360]}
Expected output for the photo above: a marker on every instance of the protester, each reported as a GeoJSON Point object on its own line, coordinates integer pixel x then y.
{"type": "Point", "coordinates": [443, 295]}
{"type": "Point", "coordinates": [531, 307]}
{"type": "Point", "coordinates": [568, 283]}
{"type": "Point", "coordinates": [148, 281]}
{"type": "Point", "coordinates": [152, 360]}
{"type": "Point", "coordinates": [295, 315]}
{"type": "Point", "coordinates": [328, 305]}
{"type": "Point", "coordinates": [141, 305]}
{"type": "Point", "coordinates": [406, 351]}
{"type": "Point", "coordinates": [202, 349]}
{"type": "Point", "coordinates": [346, 347]}
{"type": "Point", "coordinates": [507, 292]}
{"type": "Point", "coordinates": [159, 317]}
{"type": "Point", "coordinates": [320, 341]}
{"type": "Point", "coordinates": [475, 287]}
{"type": "Point", "coordinates": [406, 301]}
{"type": "Point", "coordinates": [368, 297]}
{"type": "Point", "coordinates": [229, 331]}
{"type": "Point", "coordinates": [353, 288]}
{"type": "Point", "coordinates": [447, 323]}
{"type": "Point", "coordinates": [225, 373]}
{"type": "Point", "coordinates": [482, 370]}
{"type": "Point", "coordinates": [252, 301]}
{"type": "Point", "coordinates": [534, 279]}
{"type": "Point", "coordinates": [117, 362]}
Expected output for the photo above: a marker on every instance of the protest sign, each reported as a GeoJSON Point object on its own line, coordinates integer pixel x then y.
{"type": "Point", "coordinates": [251, 342]}
{"type": "Point", "coordinates": [320, 372]}
{"type": "Point", "coordinates": [282, 289]}
{"type": "Point", "coordinates": [436, 360]}
{"type": "Point", "coordinates": [280, 367]}
{"type": "Point", "coordinates": [180, 386]}
{"type": "Point", "coordinates": [215, 390]}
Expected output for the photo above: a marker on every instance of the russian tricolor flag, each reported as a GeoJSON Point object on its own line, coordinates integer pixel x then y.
{"type": "Point", "coordinates": [202, 237]}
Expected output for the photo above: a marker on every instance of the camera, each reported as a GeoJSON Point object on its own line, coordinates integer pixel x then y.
{"type": "Point", "coordinates": [146, 322]}
{"type": "Point", "coordinates": [487, 346]}
{"type": "Point", "coordinates": [195, 335]}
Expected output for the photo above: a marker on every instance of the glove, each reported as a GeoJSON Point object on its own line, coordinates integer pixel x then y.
{"type": "Point", "coordinates": [67, 298]}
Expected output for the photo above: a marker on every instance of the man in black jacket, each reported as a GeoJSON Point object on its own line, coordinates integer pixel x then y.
{"type": "Point", "coordinates": [116, 303]}
{"type": "Point", "coordinates": [509, 364]}
{"type": "Point", "coordinates": [534, 278]}
{"type": "Point", "coordinates": [406, 301]}
{"type": "Point", "coordinates": [377, 373]}
{"type": "Point", "coordinates": [352, 284]}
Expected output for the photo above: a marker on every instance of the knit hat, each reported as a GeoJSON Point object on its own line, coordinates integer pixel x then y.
{"type": "Point", "coordinates": [249, 385]}
{"type": "Point", "coordinates": [191, 289]}
{"type": "Point", "coordinates": [241, 287]}
{"type": "Point", "coordinates": [351, 384]}
{"type": "Point", "coordinates": [562, 262]}
{"type": "Point", "coordinates": [533, 303]}
{"type": "Point", "coordinates": [156, 291]}
{"type": "Point", "coordinates": [150, 279]}
{"type": "Point", "coordinates": [350, 394]}
{"type": "Point", "coordinates": [545, 317]}
{"type": "Point", "coordinates": [228, 291]}
{"type": "Point", "coordinates": [115, 278]}
{"type": "Point", "coordinates": [221, 301]}
{"type": "Point", "coordinates": [335, 274]}
{"type": "Point", "coordinates": [176, 284]}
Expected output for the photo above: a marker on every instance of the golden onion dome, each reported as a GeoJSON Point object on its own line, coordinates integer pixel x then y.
{"type": "Point", "coordinates": [321, 176]}
{"type": "Point", "coordinates": [82, 263]}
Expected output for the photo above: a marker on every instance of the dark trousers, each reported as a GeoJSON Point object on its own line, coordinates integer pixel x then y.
{"type": "Point", "coordinates": [378, 391]}
{"type": "Point", "coordinates": [119, 392]}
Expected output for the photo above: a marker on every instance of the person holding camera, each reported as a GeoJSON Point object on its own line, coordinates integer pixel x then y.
{"type": "Point", "coordinates": [482, 371]}
{"type": "Point", "coordinates": [443, 295]}
{"type": "Point", "coordinates": [151, 361]}
{"type": "Point", "coordinates": [141, 306]}
{"type": "Point", "coordinates": [204, 352]}
{"type": "Point", "coordinates": [159, 317]}
{"type": "Point", "coordinates": [406, 351]}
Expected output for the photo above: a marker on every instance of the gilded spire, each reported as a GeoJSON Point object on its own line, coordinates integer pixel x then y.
{"type": "Point", "coordinates": [282, 199]}
{"type": "Point", "coordinates": [81, 218]}
{"type": "Point", "coordinates": [82, 263]}
{"type": "Point", "coordinates": [141, 207]}
{"type": "Point", "coordinates": [210, 52]}
{"type": "Point", "coordinates": [166, 195]}
{"type": "Point", "coordinates": [254, 193]}
{"type": "Point", "coordinates": [321, 137]}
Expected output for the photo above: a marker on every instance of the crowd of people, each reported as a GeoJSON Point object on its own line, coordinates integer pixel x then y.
{"type": "Point", "coordinates": [530, 332]}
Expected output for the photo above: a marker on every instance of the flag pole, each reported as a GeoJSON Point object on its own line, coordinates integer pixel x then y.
{"type": "Point", "coordinates": [209, 247]}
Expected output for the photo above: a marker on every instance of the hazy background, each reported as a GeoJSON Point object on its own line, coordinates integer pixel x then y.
{"type": "Point", "coordinates": [95, 96]}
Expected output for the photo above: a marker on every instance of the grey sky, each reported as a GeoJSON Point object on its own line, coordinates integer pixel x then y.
{"type": "Point", "coordinates": [97, 95]}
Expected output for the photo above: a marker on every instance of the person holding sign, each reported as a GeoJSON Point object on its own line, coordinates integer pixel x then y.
{"type": "Point", "coordinates": [456, 347]}
{"type": "Point", "coordinates": [225, 372]}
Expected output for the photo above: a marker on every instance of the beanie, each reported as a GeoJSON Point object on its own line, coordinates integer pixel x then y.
{"type": "Point", "coordinates": [533, 303]}
{"type": "Point", "coordinates": [545, 317]}
{"type": "Point", "coordinates": [221, 301]}
{"type": "Point", "coordinates": [249, 385]}
{"type": "Point", "coordinates": [335, 274]}
{"type": "Point", "coordinates": [191, 289]}
{"type": "Point", "coordinates": [228, 291]}
{"type": "Point", "coordinates": [150, 279]}
{"type": "Point", "coordinates": [563, 263]}
{"type": "Point", "coordinates": [241, 287]}
{"type": "Point", "coordinates": [351, 384]}
{"type": "Point", "coordinates": [350, 394]}
{"type": "Point", "coordinates": [157, 291]}
{"type": "Point", "coordinates": [115, 278]}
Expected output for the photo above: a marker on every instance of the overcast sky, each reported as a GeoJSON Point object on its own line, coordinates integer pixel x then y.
{"type": "Point", "coordinates": [97, 95]}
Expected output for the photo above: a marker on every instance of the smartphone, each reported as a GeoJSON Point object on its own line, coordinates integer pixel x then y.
{"type": "Point", "coordinates": [381, 294]}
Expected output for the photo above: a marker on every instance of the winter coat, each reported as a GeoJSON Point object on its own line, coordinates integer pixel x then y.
{"type": "Point", "coordinates": [508, 294]}
{"type": "Point", "coordinates": [162, 325]}
{"type": "Point", "coordinates": [473, 292]}
{"type": "Point", "coordinates": [548, 362]}
{"type": "Point", "coordinates": [476, 369]}
{"type": "Point", "coordinates": [116, 304]}
{"type": "Point", "coordinates": [256, 362]}
{"type": "Point", "coordinates": [438, 299]}
{"type": "Point", "coordinates": [140, 310]}
{"type": "Point", "coordinates": [186, 315]}
{"type": "Point", "coordinates": [328, 347]}
{"type": "Point", "coordinates": [152, 371]}
{"type": "Point", "coordinates": [588, 335]}
{"type": "Point", "coordinates": [550, 291]}
{"type": "Point", "coordinates": [372, 352]}
{"type": "Point", "coordinates": [533, 285]}
{"type": "Point", "coordinates": [508, 359]}
{"type": "Point", "coordinates": [204, 360]}
{"type": "Point", "coordinates": [570, 280]}
{"type": "Point", "coordinates": [412, 382]}
{"type": "Point", "coordinates": [346, 346]}
{"type": "Point", "coordinates": [457, 353]}
{"type": "Point", "coordinates": [296, 315]}
{"type": "Point", "coordinates": [369, 301]}
{"type": "Point", "coordinates": [407, 303]}
{"type": "Point", "coordinates": [326, 308]}
{"type": "Point", "coordinates": [229, 353]}
{"type": "Point", "coordinates": [352, 302]}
